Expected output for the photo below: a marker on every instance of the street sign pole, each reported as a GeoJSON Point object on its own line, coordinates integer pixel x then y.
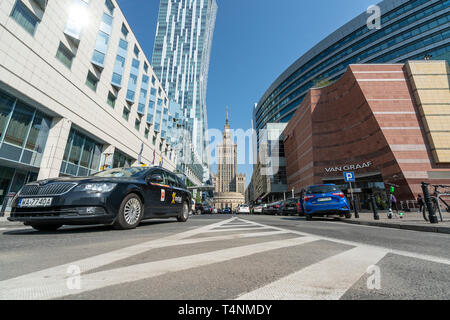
{"type": "Point", "coordinates": [350, 177]}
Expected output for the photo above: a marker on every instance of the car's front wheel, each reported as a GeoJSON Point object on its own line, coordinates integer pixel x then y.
{"type": "Point", "coordinates": [130, 213]}
{"type": "Point", "coordinates": [184, 215]}
{"type": "Point", "coordinates": [46, 227]}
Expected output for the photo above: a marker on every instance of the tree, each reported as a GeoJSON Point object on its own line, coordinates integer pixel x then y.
{"type": "Point", "coordinates": [198, 199]}
{"type": "Point", "coordinates": [322, 82]}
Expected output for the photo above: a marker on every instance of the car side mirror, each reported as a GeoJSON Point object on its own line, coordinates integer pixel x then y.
{"type": "Point", "coordinates": [156, 178]}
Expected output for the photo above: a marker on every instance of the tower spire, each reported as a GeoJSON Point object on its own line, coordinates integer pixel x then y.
{"type": "Point", "coordinates": [227, 116]}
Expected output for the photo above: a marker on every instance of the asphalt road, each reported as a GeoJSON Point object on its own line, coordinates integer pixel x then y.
{"type": "Point", "coordinates": [224, 257]}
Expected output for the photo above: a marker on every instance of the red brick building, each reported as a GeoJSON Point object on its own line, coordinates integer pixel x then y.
{"type": "Point", "coordinates": [387, 123]}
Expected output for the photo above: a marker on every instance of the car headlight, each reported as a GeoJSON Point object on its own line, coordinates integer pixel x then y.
{"type": "Point", "coordinates": [96, 187]}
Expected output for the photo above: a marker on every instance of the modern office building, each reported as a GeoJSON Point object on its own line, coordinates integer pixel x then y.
{"type": "Point", "coordinates": [388, 123]}
{"type": "Point", "coordinates": [269, 177]}
{"type": "Point", "coordinates": [77, 93]}
{"type": "Point", "coordinates": [181, 59]}
{"type": "Point", "coordinates": [410, 29]}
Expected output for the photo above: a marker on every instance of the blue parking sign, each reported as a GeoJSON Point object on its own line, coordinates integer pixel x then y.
{"type": "Point", "coordinates": [349, 176]}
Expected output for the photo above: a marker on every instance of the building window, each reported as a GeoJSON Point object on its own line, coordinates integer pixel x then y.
{"type": "Point", "coordinates": [111, 100]}
{"type": "Point", "coordinates": [126, 113]}
{"type": "Point", "coordinates": [132, 83]}
{"type": "Point", "coordinates": [137, 124]}
{"type": "Point", "coordinates": [92, 81]}
{"type": "Point", "coordinates": [24, 131]}
{"type": "Point", "coordinates": [82, 155]}
{"type": "Point", "coordinates": [154, 141]}
{"type": "Point", "coordinates": [19, 125]}
{"type": "Point", "coordinates": [145, 67]}
{"type": "Point", "coordinates": [120, 63]}
{"type": "Point", "coordinates": [121, 160]}
{"type": "Point", "coordinates": [109, 5]}
{"type": "Point", "coordinates": [124, 31]}
{"type": "Point", "coordinates": [136, 51]}
{"type": "Point", "coordinates": [24, 17]}
{"type": "Point", "coordinates": [64, 55]}
{"type": "Point", "coordinates": [78, 17]}
{"type": "Point", "coordinates": [147, 131]}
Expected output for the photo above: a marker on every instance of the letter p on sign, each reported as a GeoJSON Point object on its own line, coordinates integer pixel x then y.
{"type": "Point", "coordinates": [349, 176]}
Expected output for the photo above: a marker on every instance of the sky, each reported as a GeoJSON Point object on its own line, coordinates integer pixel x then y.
{"type": "Point", "coordinates": [255, 41]}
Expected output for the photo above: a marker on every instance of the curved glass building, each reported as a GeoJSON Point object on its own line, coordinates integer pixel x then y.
{"type": "Point", "coordinates": [409, 30]}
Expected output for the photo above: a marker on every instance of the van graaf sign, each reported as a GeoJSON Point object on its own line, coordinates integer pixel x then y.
{"type": "Point", "coordinates": [350, 167]}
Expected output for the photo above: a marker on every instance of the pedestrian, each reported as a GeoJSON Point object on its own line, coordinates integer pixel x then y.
{"type": "Point", "coordinates": [420, 202]}
{"type": "Point", "coordinates": [394, 203]}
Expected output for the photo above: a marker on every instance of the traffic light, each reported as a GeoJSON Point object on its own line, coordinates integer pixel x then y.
{"type": "Point", "coordinates": [392, 190]}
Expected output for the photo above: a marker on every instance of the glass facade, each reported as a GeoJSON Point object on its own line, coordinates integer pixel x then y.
{"type": "Point", "coordinates": [409, 31]}
{"type": "Point", "coordinates": [186, 84]}
{"type": "Point", "coordinates": [82, 155]}
{"type": "Point", "coordinates": [23, 131]}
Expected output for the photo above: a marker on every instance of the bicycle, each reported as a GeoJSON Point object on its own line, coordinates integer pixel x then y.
{"type": "Point", "coordinates": [436, 202]}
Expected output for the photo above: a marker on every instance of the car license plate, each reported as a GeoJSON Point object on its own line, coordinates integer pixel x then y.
{"type": "Point", "coordinates": [324, 199]}
{"type": "Point", "coordinates": [35, 202]}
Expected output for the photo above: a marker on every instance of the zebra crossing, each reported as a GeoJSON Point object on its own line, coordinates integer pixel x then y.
{"type": "Point", "coordinates": [235, 239]}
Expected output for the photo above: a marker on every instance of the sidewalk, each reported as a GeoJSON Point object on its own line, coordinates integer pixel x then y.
{"type": "Point", "coordinates": [411, 221]}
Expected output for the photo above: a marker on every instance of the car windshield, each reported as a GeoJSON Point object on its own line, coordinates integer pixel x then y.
{"type": "Point", "coordinates": [322, 189]}
{"type": "Point", "coordinates": [121, 173]}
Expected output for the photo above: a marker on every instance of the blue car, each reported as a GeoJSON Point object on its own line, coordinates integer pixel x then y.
{"type": "Point", "coordinates": [325, 200]}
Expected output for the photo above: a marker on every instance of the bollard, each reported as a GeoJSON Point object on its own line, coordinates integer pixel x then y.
{"type": "Point", "coordinates": [374, 208]}
{"type": "Point", "coordinates": [428, 202]}
{"type": "Point", "coordinates": [356, 209]}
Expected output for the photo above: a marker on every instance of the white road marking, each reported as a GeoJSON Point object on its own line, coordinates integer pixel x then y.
{"type": "Point", "coordinates": [237, 229]}
{"type": "Point", "coordinates": [234, 226]}
{"type": "Point", "coordinates": [329, 279]}
{"type": "Point", "coordinates": [95, 262]}
{"type": "Point", "coordinates": [358, 244]}
{"type": "Point", "coordinates": [53, 287]}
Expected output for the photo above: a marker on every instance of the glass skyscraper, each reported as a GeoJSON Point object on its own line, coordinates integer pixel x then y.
{"type": "Point", "coordinates": [181, 58]}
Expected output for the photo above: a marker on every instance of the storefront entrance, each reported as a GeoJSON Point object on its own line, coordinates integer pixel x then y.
{"type": "Point", "coordinates": [363, 189]}
{"type": "Point", "coordinates": [12, 180]}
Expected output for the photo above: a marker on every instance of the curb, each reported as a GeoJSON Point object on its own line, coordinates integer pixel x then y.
{"type": "Point", "coordinates": [444, 230]}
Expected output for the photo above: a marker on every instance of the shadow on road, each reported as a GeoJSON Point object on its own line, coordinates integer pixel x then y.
{"type": "Point", "coordinates": [82, 229]}
{"type": "Point", "coordinates": [322, 219]}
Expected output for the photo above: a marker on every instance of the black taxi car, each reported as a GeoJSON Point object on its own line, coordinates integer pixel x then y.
{"type": "Point", "coordinates": [121, 197]}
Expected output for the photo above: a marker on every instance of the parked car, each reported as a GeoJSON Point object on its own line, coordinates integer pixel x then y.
{"type": "Point", "coordinates": [207, 210]}
{"type": "Point", "coordinates": [227, 211]}
{"type": "Point", "coordinates": [272, 208]}
{"type": "Point", "coordinates": [122, 197]}
{"type": "Point", "coordinates": [257, 209]}
{"type": "Point", "coordinates": [292, 207]}
{"type": "Point", "coordinates": [199, 209]}
{"type": "Point", "coordinates": [326, 200]}
{"type": "Point", "coordinates": [243, 209]}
